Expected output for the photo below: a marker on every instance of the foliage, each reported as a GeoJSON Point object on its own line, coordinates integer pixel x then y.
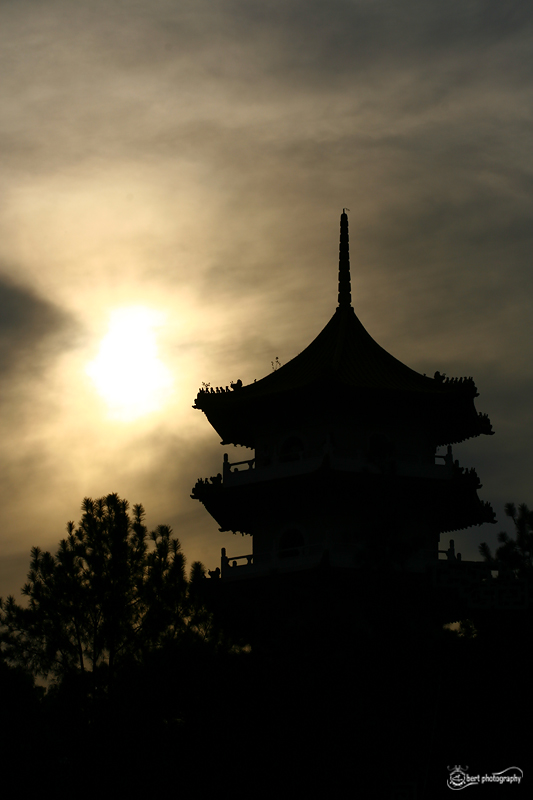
{"type": "Point", "coordinates": [514, 556]}
{"type": "Point", "coordinates": [467, 629]}
{"type": "Point", "coordinates": [110, 595]}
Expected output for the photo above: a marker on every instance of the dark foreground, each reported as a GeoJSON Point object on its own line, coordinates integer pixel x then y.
{"type": "Point", "coordinates": [344, 690]}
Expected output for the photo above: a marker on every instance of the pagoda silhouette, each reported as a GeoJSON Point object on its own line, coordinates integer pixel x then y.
{"type": "Point", "coordinates": [352, 465]}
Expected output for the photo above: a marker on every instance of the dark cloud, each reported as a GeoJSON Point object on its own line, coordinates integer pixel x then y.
{"type": "Point", "coordinates": [32, 329]}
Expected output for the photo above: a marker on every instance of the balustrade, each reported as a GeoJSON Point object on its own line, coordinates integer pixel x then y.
{"type": "Point", "coordinates": [253, 469]}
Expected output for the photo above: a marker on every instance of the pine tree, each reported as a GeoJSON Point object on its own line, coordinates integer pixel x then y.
{"type": "Point", "coordinates": [514, 556]}
{"type": "Point", "coordinates": [110, 595]}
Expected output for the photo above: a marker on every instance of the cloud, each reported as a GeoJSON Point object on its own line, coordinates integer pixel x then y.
{"type": "Point", "coordinates": [32, 330]}
{"type": "Point", "coordinates": [107, 78]}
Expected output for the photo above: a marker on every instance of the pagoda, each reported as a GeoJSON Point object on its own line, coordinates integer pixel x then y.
{"type": "Point", "coordinates": [345, 468]}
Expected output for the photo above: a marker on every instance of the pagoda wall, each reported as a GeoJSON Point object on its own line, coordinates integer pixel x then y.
{"type": "Point", "coordinates": [285, 540]}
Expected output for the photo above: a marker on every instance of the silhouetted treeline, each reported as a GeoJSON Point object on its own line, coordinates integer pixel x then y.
{"type": "Point", "coordinates": [298, 684]}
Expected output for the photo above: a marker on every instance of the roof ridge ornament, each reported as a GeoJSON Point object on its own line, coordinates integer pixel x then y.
{"type": "Point", "coordinates": [345, 293]}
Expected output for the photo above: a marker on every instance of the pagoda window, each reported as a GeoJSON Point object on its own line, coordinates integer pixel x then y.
{"type": "Point", "coordinates": [291, 449]}
{"type": "Point", "coordinates": [291, 544]}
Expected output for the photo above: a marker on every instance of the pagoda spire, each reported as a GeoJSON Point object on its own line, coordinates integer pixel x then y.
{"type": "Point", "coordinates": [345, 294]}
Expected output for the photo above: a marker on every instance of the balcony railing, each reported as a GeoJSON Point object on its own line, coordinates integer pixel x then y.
{"type": "Point", "coordinates": [253, 469]}
{"type": "Point", "coordinates": [287, 560]}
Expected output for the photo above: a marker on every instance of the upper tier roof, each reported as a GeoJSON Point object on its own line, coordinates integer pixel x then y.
{"type": "Point", "coordinates": [345, 355]}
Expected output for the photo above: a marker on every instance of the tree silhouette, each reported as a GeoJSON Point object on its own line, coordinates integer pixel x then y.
{"type": "Point", "coordinates": [514, 556]}
{"type": "Point", "coordinates": [110, 595]}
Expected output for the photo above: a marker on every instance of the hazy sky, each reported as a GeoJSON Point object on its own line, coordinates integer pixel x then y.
{"type": "Point", "coordinates": [193, 157]}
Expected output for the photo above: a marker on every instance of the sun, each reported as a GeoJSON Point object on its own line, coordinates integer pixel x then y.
{"type": "Point", "coordinates": [127, 371]}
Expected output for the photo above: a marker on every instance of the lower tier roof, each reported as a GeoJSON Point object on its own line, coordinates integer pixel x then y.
{"type": "Point", "coordinates": [363, 501]}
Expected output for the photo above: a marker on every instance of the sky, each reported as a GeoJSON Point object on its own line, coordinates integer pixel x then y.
{"type": "Point", "coordinates": [191, 158]}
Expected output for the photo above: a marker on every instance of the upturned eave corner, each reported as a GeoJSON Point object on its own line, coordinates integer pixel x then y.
{"type": "Point", "coordinates": [485, 424]}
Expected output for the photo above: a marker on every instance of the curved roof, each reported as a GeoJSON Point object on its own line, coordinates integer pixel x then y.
{"type": "Point", "coordinates": [344, 350]}
{"type": "Point", "coordinates": [345, 355]}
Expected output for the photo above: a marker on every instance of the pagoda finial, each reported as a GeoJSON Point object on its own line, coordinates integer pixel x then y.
{"type": "Point", "coordinates": [345, 288]}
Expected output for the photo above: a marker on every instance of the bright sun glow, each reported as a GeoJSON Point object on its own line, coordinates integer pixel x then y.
{"type": "Point", "coordinates": [127, 371]}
